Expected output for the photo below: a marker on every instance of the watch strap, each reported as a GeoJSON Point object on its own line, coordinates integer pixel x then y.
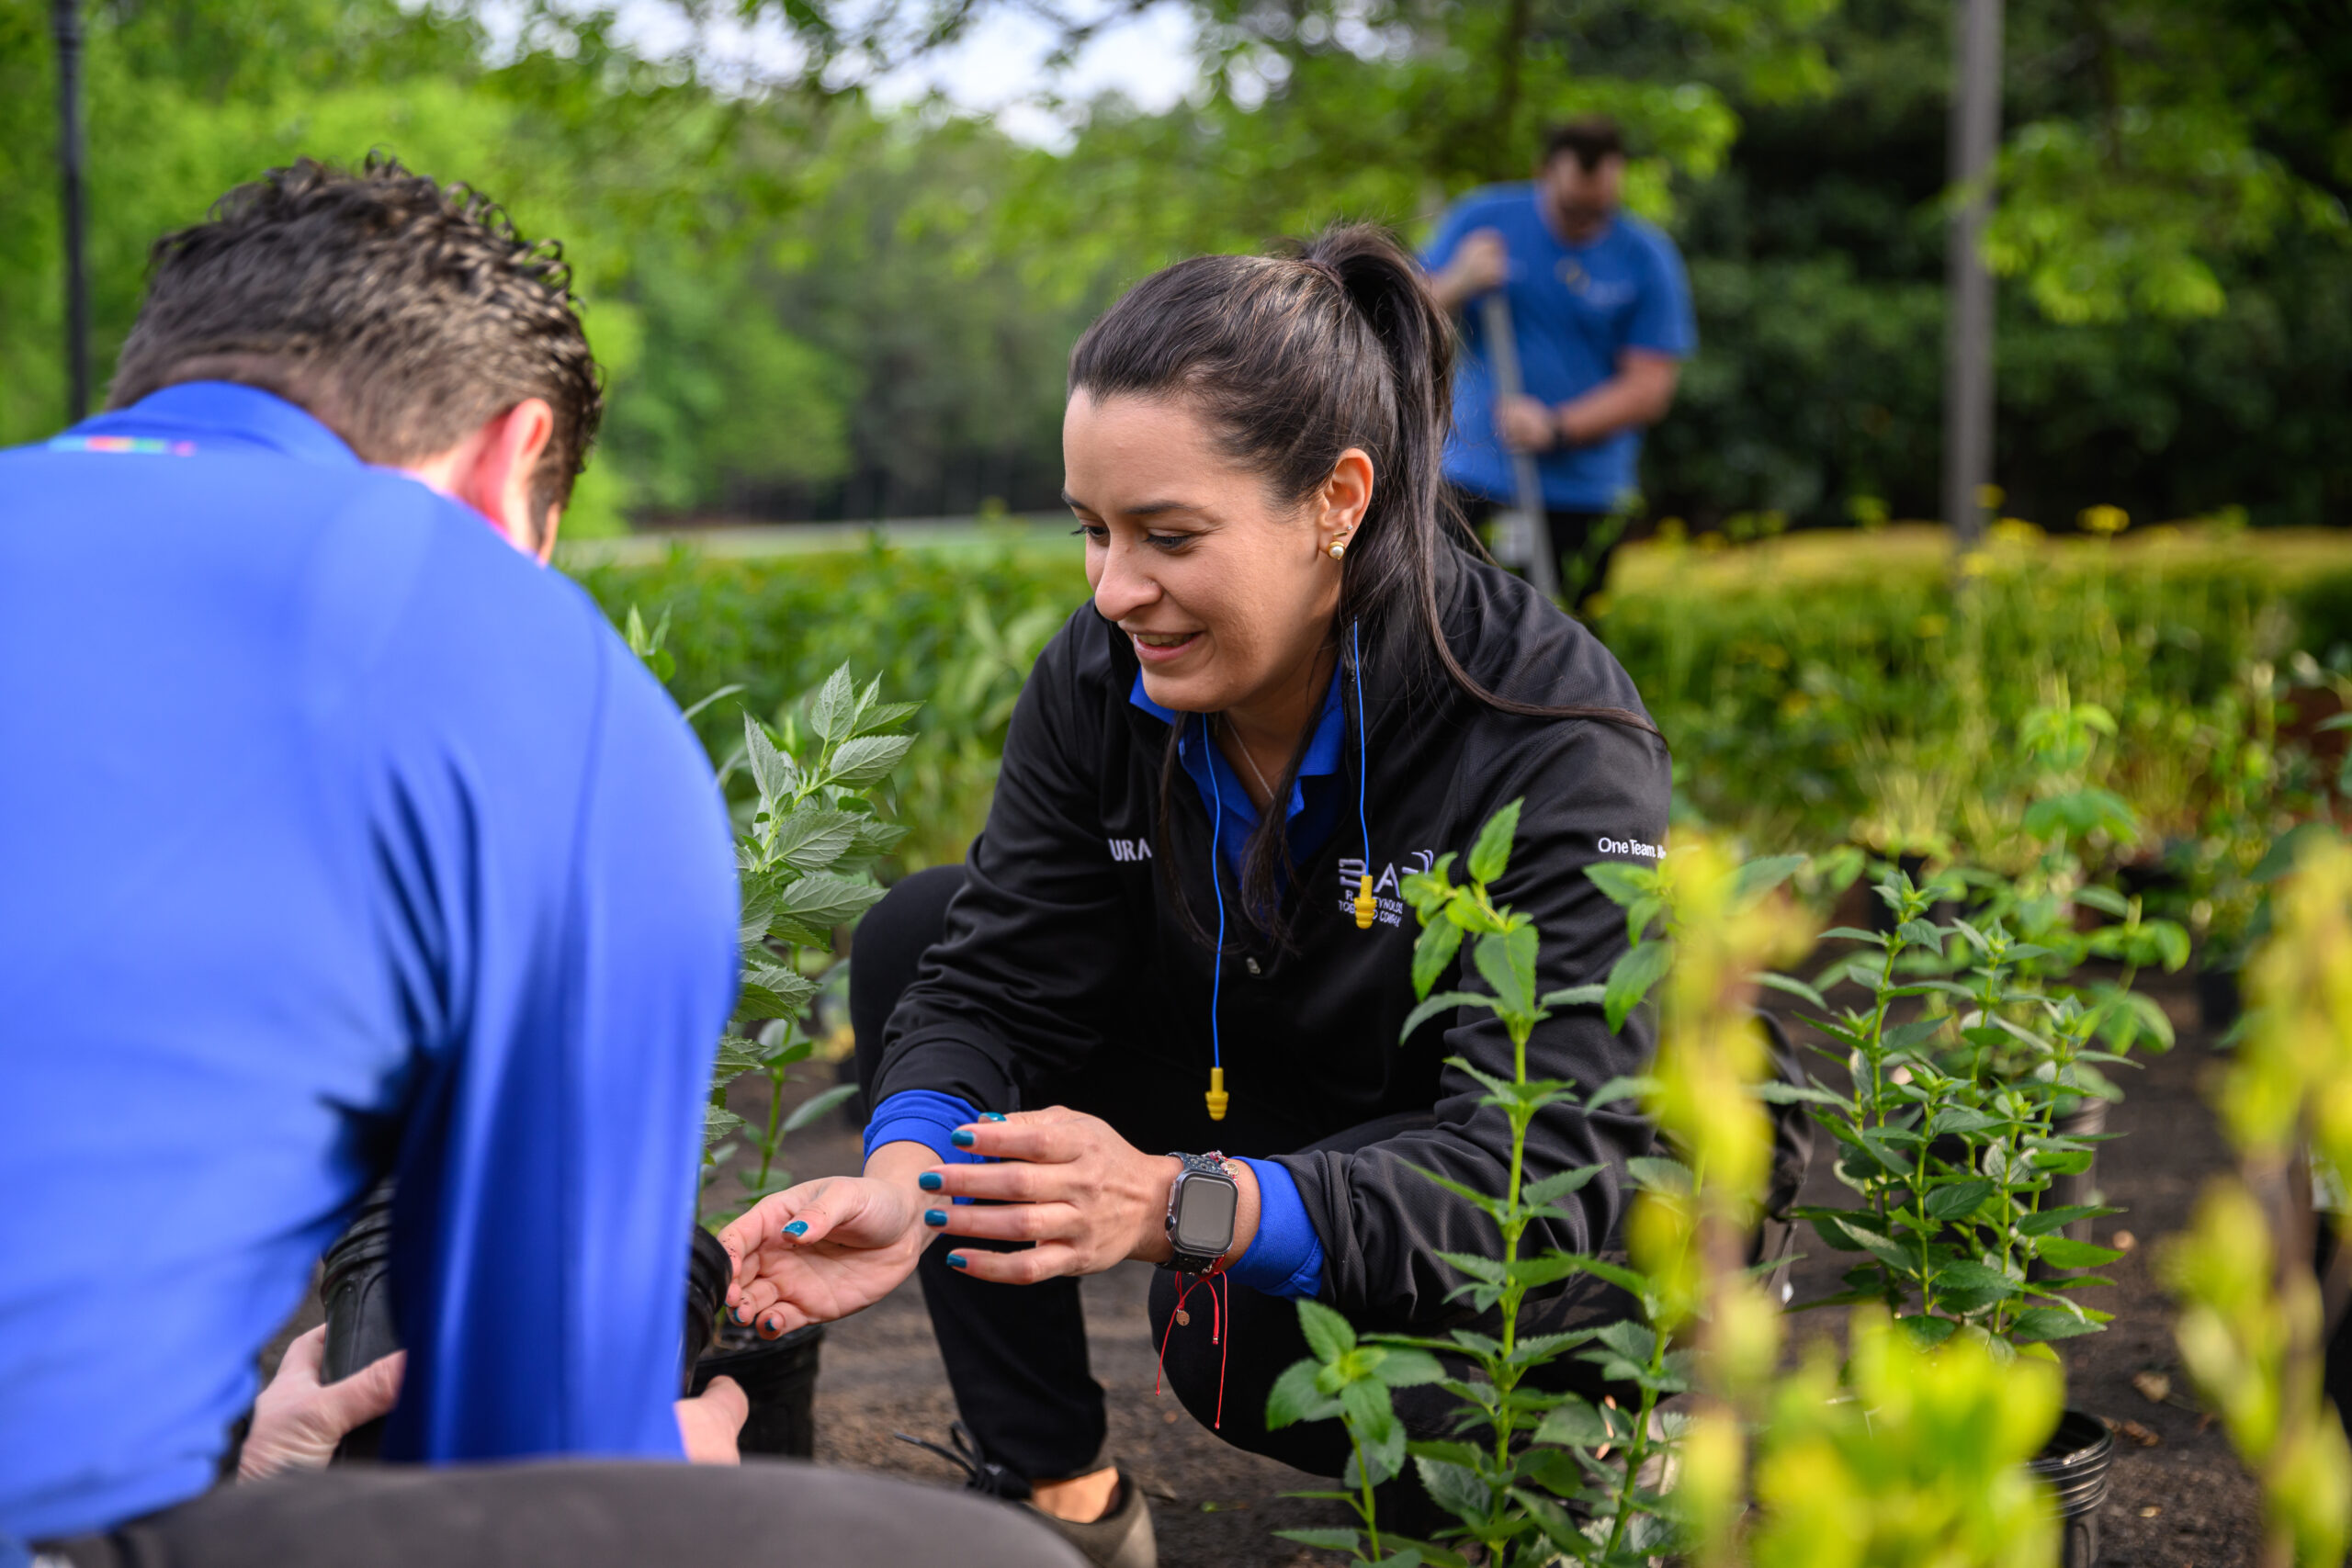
{"type": "Point", "coordinates": [1210, 1164]}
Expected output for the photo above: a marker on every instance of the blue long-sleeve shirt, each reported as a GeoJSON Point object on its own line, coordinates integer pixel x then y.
{"type": "Point", "coordinates": [334, 834]}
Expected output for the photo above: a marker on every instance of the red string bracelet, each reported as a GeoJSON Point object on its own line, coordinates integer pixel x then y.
{"type": "Point", "coordinates": [1220, 1300]}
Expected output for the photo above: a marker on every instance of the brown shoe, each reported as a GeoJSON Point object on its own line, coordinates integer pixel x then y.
{"type": "Point", "coordinates": [1121, 1537]}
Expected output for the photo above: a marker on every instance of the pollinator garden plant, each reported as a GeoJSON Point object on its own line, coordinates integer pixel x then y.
{"type": "Point", "coordinates": [804, 863]}
{"type": "Point", "coordinates": [1890, 1443]}
{"type": "Point", "coordinates": [1536, 1476]}
{"type": "Point", "coordinates": [2254, 1320]}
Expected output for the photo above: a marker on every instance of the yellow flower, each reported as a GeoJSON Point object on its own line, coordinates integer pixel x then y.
{"type": "Point", "coordinates": [1990, 496]}
{"type": "Point", "coordinates": [2103, 519]}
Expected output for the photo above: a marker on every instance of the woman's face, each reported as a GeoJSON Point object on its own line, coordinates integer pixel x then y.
{"type": "Point", "coordinates": [1225, 595]}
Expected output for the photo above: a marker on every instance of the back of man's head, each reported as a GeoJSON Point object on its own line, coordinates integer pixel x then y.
{"type": "Point", "coordinates": [400, 314]}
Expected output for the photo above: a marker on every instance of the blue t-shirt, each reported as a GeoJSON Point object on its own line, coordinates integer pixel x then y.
{"type": "Point", "coordinates": [1575, 310]}
{"type": "Point", "coordinates": [337, 835]}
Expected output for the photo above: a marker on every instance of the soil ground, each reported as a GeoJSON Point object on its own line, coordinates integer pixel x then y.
{"type": "Point", "coordinates": [2177, 1499]}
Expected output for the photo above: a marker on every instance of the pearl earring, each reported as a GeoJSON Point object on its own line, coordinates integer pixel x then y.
{"type": "Point", "coordinates": [1339, 548]}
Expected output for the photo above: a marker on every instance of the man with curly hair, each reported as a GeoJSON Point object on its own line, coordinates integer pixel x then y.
{"type": "Point", "coordinates": [341, 841]}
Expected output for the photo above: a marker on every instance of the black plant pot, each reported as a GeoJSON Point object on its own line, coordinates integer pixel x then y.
{"type": "Point", "coordinates": [356, 1291]}
{"type": "Point", "coordinates": [2075, 1462]}
{"type": "Point", "coordinates": [706, 1274]}
{"type": "Point", "coordinates": [779, 1377]}
{"type": "Point", "coordinates": [2218, 999]}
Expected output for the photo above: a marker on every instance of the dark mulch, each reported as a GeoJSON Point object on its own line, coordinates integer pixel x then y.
{"type": "Point", "coordinates": [2178, 1502]}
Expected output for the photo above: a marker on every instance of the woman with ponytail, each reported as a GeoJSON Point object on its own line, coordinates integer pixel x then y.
{"type": "Point", "coordinates": [1298, 682]}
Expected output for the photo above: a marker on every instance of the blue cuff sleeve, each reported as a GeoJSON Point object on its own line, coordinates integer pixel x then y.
{"type": "Point", "coordinates": [921, 1116]}
{"type": "Point", "coordinates": [1285, 1257]}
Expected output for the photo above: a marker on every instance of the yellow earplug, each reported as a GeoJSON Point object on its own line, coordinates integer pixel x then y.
{"type": "Point", "coordinates": [1219, 1099]}
{"type": "Point", "coordinates": [1363, 902]}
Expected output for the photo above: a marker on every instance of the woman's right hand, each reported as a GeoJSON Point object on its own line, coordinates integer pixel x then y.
{"type": "Point", "coordinates": [854, 1238]}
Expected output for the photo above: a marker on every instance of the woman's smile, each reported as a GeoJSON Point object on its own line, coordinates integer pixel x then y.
{"type": "Point", "coordinates": [1160, 648]}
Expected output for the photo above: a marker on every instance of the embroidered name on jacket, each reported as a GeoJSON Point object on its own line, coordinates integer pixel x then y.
{"type": "Point", "coordinates": [1387, 901]}
{"type": "Point", "coordinates": [1130, 849]}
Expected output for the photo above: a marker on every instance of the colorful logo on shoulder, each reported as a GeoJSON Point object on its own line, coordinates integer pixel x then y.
{"type": "Point", "coordinates": [139, 446]}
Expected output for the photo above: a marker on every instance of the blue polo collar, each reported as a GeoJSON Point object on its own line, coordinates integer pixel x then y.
{"type": "Point", "coordinates": [213, 416]}
{"type": "Point", "coordinates": [1215, 779]}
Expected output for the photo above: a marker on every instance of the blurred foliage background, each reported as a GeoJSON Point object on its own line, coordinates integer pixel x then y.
{"type": "Point", "coordinates": [810, 307]}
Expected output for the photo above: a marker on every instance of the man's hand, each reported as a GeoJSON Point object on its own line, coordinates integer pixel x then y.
{"type": "Point", "coordinates": [1526, 424]}
{"type": "Point", "coordinates": [1481, 262]}
{"type": "Point", "coordinates": [1069, 1183]}
{"type": "Point", "coordinates": [709, 1423]}
{"type": "Point", "coordinates": [825, 1248]}
{"type": "Point", "coordinates": [298, 1420]}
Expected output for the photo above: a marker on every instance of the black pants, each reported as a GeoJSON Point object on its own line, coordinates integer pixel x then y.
{"type": "Point", "coordinates": [1582, 542]}
{"type": "Point", "coordinates": [1016, 1354]}
{"type": "Point", "coordinates": [577, 1515]}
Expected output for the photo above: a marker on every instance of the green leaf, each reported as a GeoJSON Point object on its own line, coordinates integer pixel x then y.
{"type": "Point", "coordinates": [1573, 1423]}
{"type": "Point", "coordinates": [1926, 1330]}
{"type": "Point", "coordinates": [816, 1105]}
{"type": "Point", "coordinates": [1965, 1274]}
{"type": "Point", "coordinates": [1658, 1174]}
{"type": "Point", "coordinates": [2064, 1252]}
{"type": "Point", "coordinates": [1409, 1369]}
{"type": "Point", "coordinates": [1327, 1334]}
{"type": "Point", "coordinates": [717, 1123]}
{"type": "Point", "coordinates": [1507, 962]}
{"type": "Point", "coordinates": [1623, 886]}
{"type": "Point", "coordinates": [726, 690]}
{"type": "Point", "coordinates": [831, 713]}
{"type": "Point", "coordinates": [1294, 1397]}
{"type": "Point", "coordinates": [1536, 1195]}
{"type": "Point", "coordinates": [2038, 1325]}
{"type": "Point", "coordinates": [1794, 986]}
{"type": "Point", "coordinates": [1455, 1488]}
{"type": "Point", "coordinates": [867, 759]}
{"type": "Point", "coordinates": [1773, 1092]}
{"type": "Point", "coordinates": [824, 900]}
{"type": "Point", "coordinates": [1491, 853]}
{"type": "Point", "coordinates": [2107, 900]}
{"type": "Point", "coordinates": [1444, 1002]}
{"type": "Point", "coordinates": [772, 771]}
{"type": "Point", "coordinates": [1758, 877]}
{"type": "Point", "coordinates": [1631, 977]}
{"type": "Point", "coordinates": [882, 715]}
{"type": "Point", "coordinates": [1960, 1119]}
{"type": "Point", "coordinates": [812, 838]}
{"type": "Point", "coordinates": [1573, 996]}
{"type": "Point", "coordinates": [1850, 934]}
{"type": "Point", "coordinates": [1438, 943]}
{"type": "Point", "coordinates": [1322, 1539]}
{"type": "Point", "coordinates": [1957, 1200]}
{"type": "Point", "coordinates": [1631, 1089]}
{"type": "Point", "coordinates": [2049, 1220]}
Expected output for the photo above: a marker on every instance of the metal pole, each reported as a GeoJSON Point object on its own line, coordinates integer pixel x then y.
{"type": "Point", "coordinates": [1526, 535]}
{"type": "Point", "coordinates": [66, 18]}
{"type": "Point", "coordinates": [1968, 354]}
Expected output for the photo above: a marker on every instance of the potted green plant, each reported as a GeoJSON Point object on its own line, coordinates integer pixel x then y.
{"type": "Point", "coordinates": [803, 861]}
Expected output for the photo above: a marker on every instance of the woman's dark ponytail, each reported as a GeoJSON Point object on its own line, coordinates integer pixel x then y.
{"type": "Point", "coordinates": [1292, 360]}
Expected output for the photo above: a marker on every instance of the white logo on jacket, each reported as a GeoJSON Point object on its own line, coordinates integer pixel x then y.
{"type": "Point", "coordinates": [1387, 899]}
{"type": "Point", "coordinates": [1130, 849]}
{"type": "Point", "coordinates": [1629, 847]}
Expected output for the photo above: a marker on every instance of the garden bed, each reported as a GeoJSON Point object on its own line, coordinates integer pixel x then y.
{"type": "Point", "coordinates": [1215, 1506]}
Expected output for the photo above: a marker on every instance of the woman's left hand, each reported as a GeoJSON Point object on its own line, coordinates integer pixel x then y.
{"type": "Point", "coordinates": [1068, 1182]}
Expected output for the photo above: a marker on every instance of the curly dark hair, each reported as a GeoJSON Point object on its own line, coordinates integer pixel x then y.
{"type": "Point", "coordinates": [401, 312]}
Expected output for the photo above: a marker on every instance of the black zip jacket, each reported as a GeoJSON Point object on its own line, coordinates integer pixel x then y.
{"type": "Point", "coordinates": [1066, 975]}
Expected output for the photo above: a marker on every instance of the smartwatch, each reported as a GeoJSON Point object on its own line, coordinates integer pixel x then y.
{"type": "Point", "coordinates": [1200, 1207]}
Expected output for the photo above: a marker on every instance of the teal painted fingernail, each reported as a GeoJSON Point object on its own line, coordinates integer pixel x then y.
{"type": "Point", "coordinates": [991, 1116]}
{"type": "Point", "coordinates": [955, 1260]}
{"type": "Point", "coordinates": [742, 1315]}
{"type": "Point", "coordinates": [931, 1182]}
{"type": "Point", "coordinates": [960, 1138]}
{"type": "Point", "coordinates": [934, 1216]}
{"type": "Point", "coordinates": [797, 1227]}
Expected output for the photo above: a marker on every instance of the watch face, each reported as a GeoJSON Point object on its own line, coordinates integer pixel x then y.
{"type": "Point", "coordinates": [1205, 1206]}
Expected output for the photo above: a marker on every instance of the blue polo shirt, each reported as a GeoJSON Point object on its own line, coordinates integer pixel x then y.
{"type": "Point", "coordinates": [338, 837]}
{"type": "Point", "coordinates": [1285, 1257]}
{"type": "Point", "coordinates": [1575, 310]}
